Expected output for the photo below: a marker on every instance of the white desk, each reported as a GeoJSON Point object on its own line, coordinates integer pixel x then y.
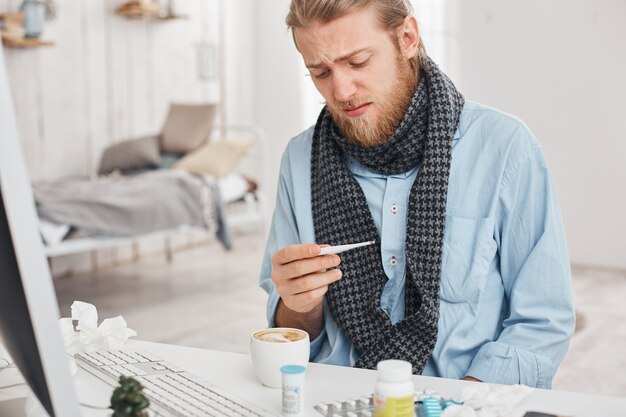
{"type": "Point", "coordinates": [324, 383]}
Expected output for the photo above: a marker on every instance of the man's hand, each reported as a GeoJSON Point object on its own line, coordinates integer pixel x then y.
{"type": "Point", "coordinates": [302, 277]}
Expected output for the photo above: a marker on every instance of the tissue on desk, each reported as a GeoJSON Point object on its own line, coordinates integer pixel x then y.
{"type": "Point", "coordinates": [88, 336]}
{"type": "Point", "coordinates": [484, 400]}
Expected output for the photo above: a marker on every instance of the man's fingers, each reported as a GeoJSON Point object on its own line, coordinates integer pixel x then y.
{"type": "Point", "coordinates": [313, 282]}
{"type": "Point", "coordinates": [302, 276]}
{"type": "Point", "coordinates": [304, 267]}
{"type": "Point", "coordinates": [295, 252]}
{"type": "Point", "coordinates": [306, 301]}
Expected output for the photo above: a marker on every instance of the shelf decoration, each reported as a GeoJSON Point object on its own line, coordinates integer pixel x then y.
{"type": "Point", "coordinates": [34, 17]}
{"type": "Point", "coordinates": [138, 9]}
{"type": "Point", "coordinates": [14, 34]}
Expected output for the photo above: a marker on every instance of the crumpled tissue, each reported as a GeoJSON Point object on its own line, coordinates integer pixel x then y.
{"type": "Point", "coordinates": [87, 336]}
{"type": "Point", "coordinates": [486, 400]}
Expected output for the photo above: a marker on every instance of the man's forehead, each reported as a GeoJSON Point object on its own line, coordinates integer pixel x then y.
{"type": "Point", "coordinates": [340, 38]}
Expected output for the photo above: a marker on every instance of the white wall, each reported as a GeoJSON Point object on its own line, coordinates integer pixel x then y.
{"type": "Point", "coordinates": [282, 98]}
{"type": "Point", "coordinates": [560, 66]}
{"type": "Point", "coordinates": [240, 23]}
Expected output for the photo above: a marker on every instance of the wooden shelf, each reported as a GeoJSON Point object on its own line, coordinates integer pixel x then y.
{"type": "Point", "coordinates": [146, 10]}
{"type": "Point", "coordinates": [171, 17]}
{"type": "Point", "coordinates": [145, 15]}
{"type": "Point", "coordinates": [139, 14]}
{"type": "Point", "coordinates": [25, 43]}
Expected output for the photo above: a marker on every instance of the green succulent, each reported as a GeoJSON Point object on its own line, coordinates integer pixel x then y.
{"type": "Point", "coordinates": [128, 399]}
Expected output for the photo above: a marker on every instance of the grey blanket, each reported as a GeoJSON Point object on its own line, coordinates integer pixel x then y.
{"type": "Point", "coordinates": [133, 205]}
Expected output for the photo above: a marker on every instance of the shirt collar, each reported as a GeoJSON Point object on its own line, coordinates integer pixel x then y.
{"type": "Point", "coordinates": [460, 128]}
{"type": "Point", "coordinates": [357, 168]}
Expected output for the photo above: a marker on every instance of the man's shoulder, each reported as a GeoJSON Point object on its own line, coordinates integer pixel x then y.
{"type": "Point", "coordinates": [302, 140]}
{"type": "Point", "coordinates": [478, 113]}
{"type": "Point", "coordinates": [296, 158]}
{"type": "Point", "coordinates": [493, 127]}
{"type": "Point", "coordinates": [299, 146]}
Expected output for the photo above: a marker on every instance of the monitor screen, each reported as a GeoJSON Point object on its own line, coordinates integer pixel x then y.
{"type": "Point", "coordinates": [15, 322]}
{"type": "Point", "coordinates": [29, 311]}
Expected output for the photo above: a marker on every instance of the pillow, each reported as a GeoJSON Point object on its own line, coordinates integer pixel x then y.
{"type": "Point", "coordinates": [130, 155]}
{"type": "Point", "coordinates": [216, 159]}
{"type": "Point", "coordinates": [168, 160]}
{"type": "Point", "coordinates": [187, 127]}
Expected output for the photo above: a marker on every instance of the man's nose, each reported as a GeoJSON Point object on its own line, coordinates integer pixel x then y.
{"type": "Point", "coordinates": [344, 86]}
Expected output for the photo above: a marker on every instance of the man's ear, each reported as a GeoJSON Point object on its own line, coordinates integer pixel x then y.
{"type": "Point", "coordinates": [409, 37]}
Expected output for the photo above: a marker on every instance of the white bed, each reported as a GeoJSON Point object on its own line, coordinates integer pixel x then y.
{"type": "Point", "coordinates": [243, 209]}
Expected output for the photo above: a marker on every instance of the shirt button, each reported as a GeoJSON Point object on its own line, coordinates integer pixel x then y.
{"type": "Point", "coordinates": [393, 261]}
{"type": "Point", "coordinates": [394, 208]}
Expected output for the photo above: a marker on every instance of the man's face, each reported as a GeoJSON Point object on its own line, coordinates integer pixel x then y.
{"type": "Point", "coordinates": [359, 69]}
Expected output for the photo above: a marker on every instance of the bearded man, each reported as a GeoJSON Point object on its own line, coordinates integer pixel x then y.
{"type": "Point", "coordinates": [469, 277]}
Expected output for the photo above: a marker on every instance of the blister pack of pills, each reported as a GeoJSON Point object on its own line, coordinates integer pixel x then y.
{"type": "Point", "coordinates": [427, 404]}
{"type": "Point", "coordinates": [360, 407]}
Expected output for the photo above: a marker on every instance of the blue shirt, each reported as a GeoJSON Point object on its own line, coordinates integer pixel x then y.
{"type": "Point", "coordinates": [506, 311]}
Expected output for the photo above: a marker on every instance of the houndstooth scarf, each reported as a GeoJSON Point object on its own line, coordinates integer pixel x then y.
{"type": "Point", "coordinates": [341, 216]}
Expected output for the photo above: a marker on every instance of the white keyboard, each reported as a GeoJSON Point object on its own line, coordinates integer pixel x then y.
{"type": "Point", "coordinates": [171, 391]}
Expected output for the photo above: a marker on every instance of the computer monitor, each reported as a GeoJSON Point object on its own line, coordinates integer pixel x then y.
{"type": "Point", "coordinates": [29, 311]}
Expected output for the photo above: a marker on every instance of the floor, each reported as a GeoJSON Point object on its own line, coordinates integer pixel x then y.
{"type": "Point", "coordinates": [210, 298]}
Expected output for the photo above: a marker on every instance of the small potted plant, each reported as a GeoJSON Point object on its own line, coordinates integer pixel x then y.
{"type": "Point", "coordinates": [128, 399]}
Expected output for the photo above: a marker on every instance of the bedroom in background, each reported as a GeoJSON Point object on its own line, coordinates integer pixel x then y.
{"type": "Point", "coordinates": [102, 83]}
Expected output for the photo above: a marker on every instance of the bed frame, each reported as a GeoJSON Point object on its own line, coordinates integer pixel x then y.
{"type": "Point", "coordinates": [250, 212]}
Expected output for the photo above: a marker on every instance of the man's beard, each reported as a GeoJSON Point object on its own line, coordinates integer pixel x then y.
{"type": "Point", "coordinates": [390, 110]}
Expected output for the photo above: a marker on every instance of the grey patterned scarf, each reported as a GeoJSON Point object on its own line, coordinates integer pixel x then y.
{"type": "Point", "coordinates": [341, 215]}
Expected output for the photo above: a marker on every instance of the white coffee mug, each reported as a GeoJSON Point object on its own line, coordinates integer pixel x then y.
{"type": "Point", "coordinates": [271, 349]}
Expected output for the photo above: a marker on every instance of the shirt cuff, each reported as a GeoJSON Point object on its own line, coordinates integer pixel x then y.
{"type": "Point", "coordinates": [272, 305]}
{"type": "Point", "coordinates": [316, 344]}
{"type": "Point", "coordinates": [499, 363]}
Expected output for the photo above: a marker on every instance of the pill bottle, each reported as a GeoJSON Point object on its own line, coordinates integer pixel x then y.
{"type": "Point", "coordinates": [394, 391]}
{"type": "Point", "coordinates": [293, 377]}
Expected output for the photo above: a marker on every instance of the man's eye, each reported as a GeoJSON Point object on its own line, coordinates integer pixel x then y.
{"type": "Point", "coordinates": [322, 75]}
{"type": "Point", "coordinates": [360, 64]}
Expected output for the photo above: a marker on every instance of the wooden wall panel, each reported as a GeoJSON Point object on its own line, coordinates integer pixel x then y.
{"type": "Point", "coordinates": [63, 93]}
{"type": "Point", "coordinates": [24, 79]}
{"type": "Point", "coordinates": [93, 29]}
{"type": "Point", "coordinates": [138, 84]}
{"type": "Point", "coordinates": [106, 79]}
{"type": "Point", "coordinates": [119, 55]}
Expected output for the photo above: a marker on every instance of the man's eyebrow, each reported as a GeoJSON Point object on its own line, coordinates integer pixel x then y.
{"type": "Point", "coordinates": [341, 58]}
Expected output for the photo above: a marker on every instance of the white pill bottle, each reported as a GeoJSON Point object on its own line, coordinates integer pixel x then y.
{"type": "Point", "coordinates": [394, 391]}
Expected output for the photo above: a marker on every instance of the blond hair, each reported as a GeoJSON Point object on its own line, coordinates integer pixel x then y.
{"type": "Point", "coordinates": [391, 13]}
